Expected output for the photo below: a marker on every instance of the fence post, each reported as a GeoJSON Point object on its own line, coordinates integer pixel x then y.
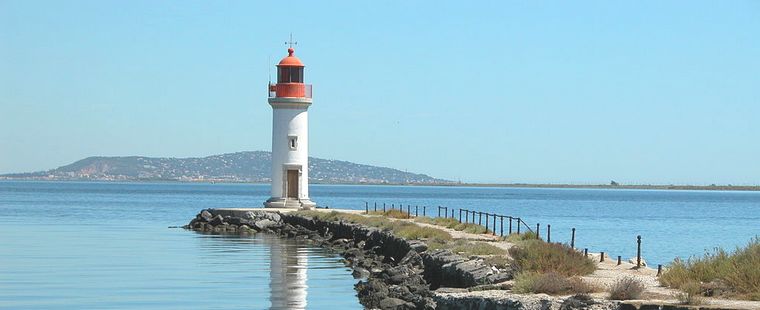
{"type": "Point", "coordinates": [383, 207]}
{"type": "Point", "coordinates": [439, 211]}
{"type": "Point", "coordinates": [538, 231]}
{"type": "Point", "coordinates": [510, 225]}
{"type": "Point", "coordinates": [460, 215]}
{"type": "Point", "coordinates": [393, 206]}
{"type": "Point", "coordinates": [424, 210]}
{"type": "Point", "coordinates": [572, 239]}
{"type": "Point", "coordinates": [416, 211]}
{"type": "Point", "coordinates": [620, 261]}
{"type": "Point", "coordinates": [518, 225]}
{"type": "Point", "coordinates": [467, 216]}
{"type": "Point", "coordinates": [549, 233]}
{"type": "Point", "coordinates": [585, 252]}
{"type": "Point", "coordinates": [659, 270]}
{"type": "Point", "coordinates": [487, 222]}
{"type": "Point", "coordinates": [480, 218]}
{"type": "Point", "coordinates": [366, 207]}
{"type": "Point", "coordinates": [375, 206]}
{"type": "Point", "coordinates": [408, 211]}
{"type": "Point", "coordinates": [494, 225]}
{"type": "Point", "coordinates": [602, 259]}
{"type": "Point", "coordinates": [501, 231]}
{"type": "Point", "coordinates": [638, 251]}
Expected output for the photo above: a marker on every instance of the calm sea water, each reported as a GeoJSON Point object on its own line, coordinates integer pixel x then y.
{"type": "Point", "coordinates": [107, 245]}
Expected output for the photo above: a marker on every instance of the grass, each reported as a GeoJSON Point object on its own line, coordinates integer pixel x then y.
{"type": "Point", "coordinates": [626, 289]}
{"type": "Point", "coordinates": [402, 229]}
{"type": "Point", "coordinates": [498, 261]}
{"type": "Point", "coordinates": [467, 248]}
{"type": "Point", "coordinates": [738, 271]}
{"type": "Point", "coordinates": [392, 213]}
{"type": "Point", "coordinates": [539, 256]}
{"type": "Point", "coordinates": [516, 238]}
{"type": "Point", "coordinates": [691, 295]}
{"type": "Point", "coordinates": [453, 224]}
{"type": "Point", "coordinates": [550, 283]}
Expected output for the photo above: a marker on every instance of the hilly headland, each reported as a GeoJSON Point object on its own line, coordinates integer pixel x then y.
{"type": "Point", "coordinates": [253, 166]}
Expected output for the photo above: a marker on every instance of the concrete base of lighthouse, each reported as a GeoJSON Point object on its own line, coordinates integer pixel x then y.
{"type": "Point", "coordinates": [290, 203]}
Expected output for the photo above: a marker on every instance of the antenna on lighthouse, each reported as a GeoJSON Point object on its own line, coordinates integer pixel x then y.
{"type": "Point", "coordinates": [290, 42]}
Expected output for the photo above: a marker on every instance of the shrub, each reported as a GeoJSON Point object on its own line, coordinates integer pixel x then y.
{"type": "Point", "coordinates": [454, 224]}
{"type": "Point", "coordinates": [392, 213]}
{"type": "Point", "coordinates": [626, 288]}
{"type": "Point", "coordinates": [542, 257]}
{"type": "Point", "coordinates": [740, 271]}
{"type": "Point", "coordinates": [412, 231]}
{"type": "Point", "coordinates": [516, 238]}
{"type": "Point", "coordinates": [691, 295]}
{"type": "Point", "coordinates": [498, 261]}
{"type": "Point", "coordinates": [550, 283]}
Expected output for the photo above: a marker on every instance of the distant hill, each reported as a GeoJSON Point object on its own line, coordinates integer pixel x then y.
{"type": "Point", "coordinates": [232, 167]}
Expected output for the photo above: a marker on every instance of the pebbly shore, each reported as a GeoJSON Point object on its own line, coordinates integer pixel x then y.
{"type": "Point", "coordinates": [396, 273]}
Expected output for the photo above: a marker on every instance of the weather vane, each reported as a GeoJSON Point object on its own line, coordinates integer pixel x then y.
{"type": "Point", "coordinates": [291, 42]}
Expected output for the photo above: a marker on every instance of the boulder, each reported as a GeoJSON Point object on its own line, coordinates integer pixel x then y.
{"type": "Point", "coordinates": [264, 224]}
{"type": "Point", "coordinates": [394, 303]}
{"type": "Point", "coordinates": [217, 220]}
{"type": "Point", "coordinates": [499, 277]}
{"type": "Point", "coordinates": [206, 216]}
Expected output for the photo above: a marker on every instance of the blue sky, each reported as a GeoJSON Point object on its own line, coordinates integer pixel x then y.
{"type": "Point", "coordinates": [530, 91]}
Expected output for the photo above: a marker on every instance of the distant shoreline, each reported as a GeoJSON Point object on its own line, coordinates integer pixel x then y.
{"type": "Point", "coordinates": [504, 185]}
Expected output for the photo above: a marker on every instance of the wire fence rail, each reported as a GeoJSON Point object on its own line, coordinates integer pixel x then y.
{"type": "Point", "coordinates": [489, 221]}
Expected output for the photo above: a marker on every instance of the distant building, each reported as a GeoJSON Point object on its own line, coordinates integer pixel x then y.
{"type": "Point", "coordinates": [290, 99]}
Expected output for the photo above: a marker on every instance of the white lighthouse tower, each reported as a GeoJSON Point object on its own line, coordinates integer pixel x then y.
{"type": "Point", "coordinates": [290, 99]}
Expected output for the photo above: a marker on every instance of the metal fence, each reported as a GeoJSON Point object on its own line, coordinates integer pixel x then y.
{"type": "Point", "coordinates": [489, 221]}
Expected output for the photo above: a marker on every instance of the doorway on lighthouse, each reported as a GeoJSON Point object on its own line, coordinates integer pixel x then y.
{"type": "Point", "coordinates": [292, 186]}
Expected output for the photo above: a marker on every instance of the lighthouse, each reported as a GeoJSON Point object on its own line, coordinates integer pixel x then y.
{"type": "Point", "coordinates": [290, 99]}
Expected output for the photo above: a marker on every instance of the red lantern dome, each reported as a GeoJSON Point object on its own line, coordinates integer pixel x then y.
{"type": "Point", "coordinates": [290, 79]}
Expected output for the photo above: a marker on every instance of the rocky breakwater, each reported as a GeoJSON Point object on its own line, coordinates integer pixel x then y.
{"type": "Point", "coordinates": [395, 273]}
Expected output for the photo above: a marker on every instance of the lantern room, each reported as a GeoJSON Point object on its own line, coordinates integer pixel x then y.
{"type": "Point", "coordinates": [290, 79]}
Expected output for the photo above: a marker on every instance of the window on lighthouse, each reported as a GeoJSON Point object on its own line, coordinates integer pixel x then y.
{"type": "Point", "coordinates": [290, 75]}
{"type": "Point", "coordinates": [293, 142]}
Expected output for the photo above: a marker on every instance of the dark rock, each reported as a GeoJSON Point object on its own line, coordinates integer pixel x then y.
{"type": "Point", "coordinates": [217, 220]}
{"type": "Point", "coordinates": [394, 303]}
{"type": "Point", "coordinates": [418, 246]}
{"type": "Point", "coordinates": [232, 220]}
{"type": "Point", "coordinates": [499, 277]}
{"type": "Point", "coordinates": [579, 301]}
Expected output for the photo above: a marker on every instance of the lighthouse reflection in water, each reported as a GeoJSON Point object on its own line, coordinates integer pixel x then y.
{"type": "Point", "coordinates": [269, 272]}
{"type": "Point", "coordinates": [287, 274]}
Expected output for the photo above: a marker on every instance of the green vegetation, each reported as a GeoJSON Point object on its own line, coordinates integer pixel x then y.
{"type": "Point", "coordinates": [453, 224]}
{"type": "Point", "coordinates": [467, 248]}
{"type": "Point", "coordinates": [516, 238]}
{"type": "Point", "coordinates": [691, 295]}
{"type": "Point", "coordinates": [402, 229]}
{"type": "Point", "coordinates": [392, 213]}
{"type": "Point", "coordinates": [550, 283]}
{"type": "Point", "coordinates": [538, 256]}
{"type": "Point", "coordinates": [498, 261]}
{"type": "Point", "coordinates": [626, 288]}
{"type": "Point", "coordinates": [738, 273]}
